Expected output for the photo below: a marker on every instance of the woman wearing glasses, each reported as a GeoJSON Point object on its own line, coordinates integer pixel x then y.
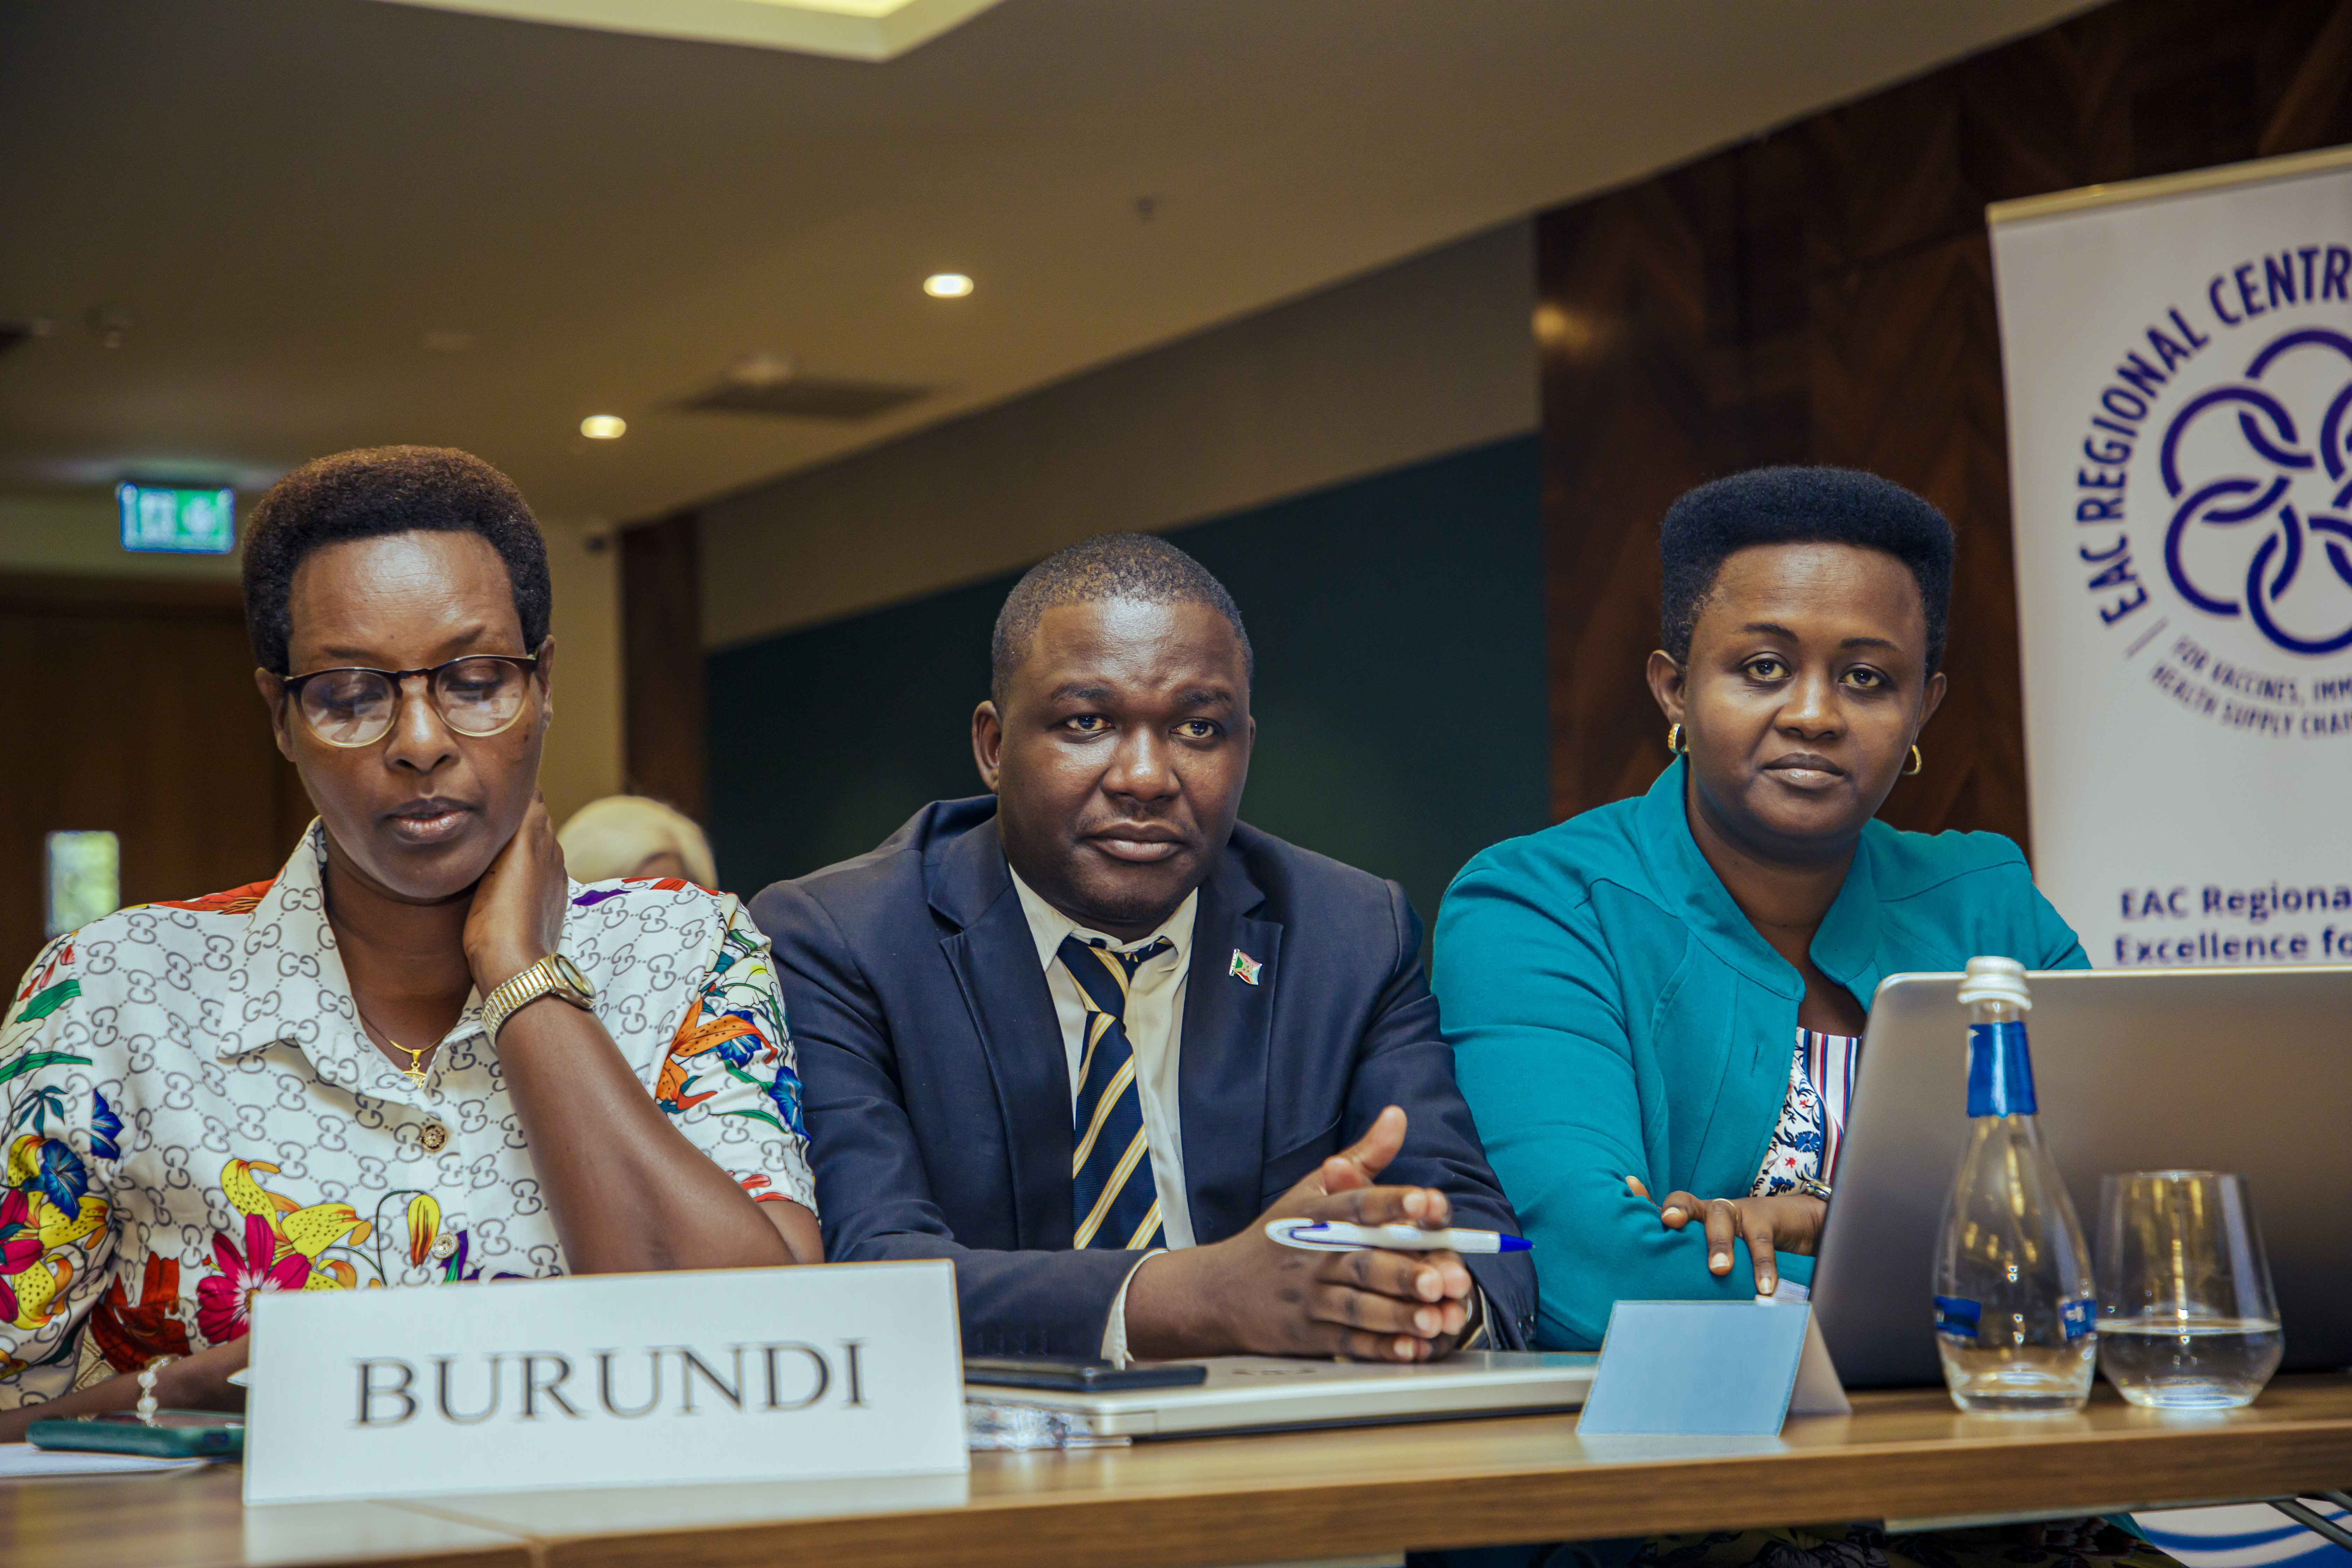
{"type": "Point", "coordinates": [419, 1055]}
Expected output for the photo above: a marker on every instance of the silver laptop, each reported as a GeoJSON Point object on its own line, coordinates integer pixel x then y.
{"type": "Point", "coordinates": [1257, 1394]}
{"type": "Point", "coordinates": [2222, 1069]}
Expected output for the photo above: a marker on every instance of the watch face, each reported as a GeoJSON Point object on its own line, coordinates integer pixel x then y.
{"type": "Point", "coordinates": [568, 974]}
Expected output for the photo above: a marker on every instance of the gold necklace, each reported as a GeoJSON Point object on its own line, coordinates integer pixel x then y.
{"type": "Point", "coordinates": [414, 1070]}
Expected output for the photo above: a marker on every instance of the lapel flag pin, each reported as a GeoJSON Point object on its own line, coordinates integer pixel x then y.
{"type": "Point", "coordinates": [1245, 967]}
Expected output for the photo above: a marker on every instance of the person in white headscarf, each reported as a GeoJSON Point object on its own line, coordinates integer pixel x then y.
{"type": "Point", "coordinates": [630, 836]}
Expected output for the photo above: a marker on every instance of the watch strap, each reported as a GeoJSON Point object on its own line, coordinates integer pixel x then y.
{"type": "Point", "coordinates": [551, 975]}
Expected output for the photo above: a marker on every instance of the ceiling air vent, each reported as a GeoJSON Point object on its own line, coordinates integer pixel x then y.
{"type": "Point", "coordinates": [770, 385]}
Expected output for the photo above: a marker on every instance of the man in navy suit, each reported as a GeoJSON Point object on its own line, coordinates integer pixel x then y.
{"type": "Point", "coordinates": [1087, 1035]}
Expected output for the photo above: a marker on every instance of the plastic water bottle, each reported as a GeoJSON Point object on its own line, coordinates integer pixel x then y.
{"type": "Point", "coordinates": [2015, 1298]}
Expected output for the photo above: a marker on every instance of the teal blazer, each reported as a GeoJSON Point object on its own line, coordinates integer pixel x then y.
{"type": "Point", "coordinates": [1613, 1014]}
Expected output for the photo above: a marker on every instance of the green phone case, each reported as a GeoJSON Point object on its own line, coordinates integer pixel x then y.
{"type": "Point", "coordinates": [218, 1437]}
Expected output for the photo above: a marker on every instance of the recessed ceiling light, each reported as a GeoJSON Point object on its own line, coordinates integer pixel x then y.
{"type": "Point", "coordinates": [946, 285]}
{"type": "Point", "coordinates": [604, 426]}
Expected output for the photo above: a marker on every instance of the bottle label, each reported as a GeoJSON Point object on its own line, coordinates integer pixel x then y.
{"type": "Point", "coordinates": [2001, 1071]}
{"type": "Point", "coordinates": [2077, 1317]}
{"type": "Point", "coordinates": [1957, 1316]}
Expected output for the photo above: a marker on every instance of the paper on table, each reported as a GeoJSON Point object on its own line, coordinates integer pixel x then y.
{"type": "Point", "coordinates": [22, 1460]}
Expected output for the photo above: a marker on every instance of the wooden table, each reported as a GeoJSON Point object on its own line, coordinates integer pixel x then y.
{"type": "Point", "coordinates": [1238, 1500]}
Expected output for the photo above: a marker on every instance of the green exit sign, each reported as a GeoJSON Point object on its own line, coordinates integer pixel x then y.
{"type": "Point", "coordinates": [176, 517]}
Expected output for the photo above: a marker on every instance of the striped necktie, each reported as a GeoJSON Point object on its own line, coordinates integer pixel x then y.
{"type": "Point", "coordinates": [1118, 1203]}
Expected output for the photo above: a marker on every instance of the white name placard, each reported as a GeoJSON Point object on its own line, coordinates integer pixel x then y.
{"type": "Point", "coordinates": [617, 1380]}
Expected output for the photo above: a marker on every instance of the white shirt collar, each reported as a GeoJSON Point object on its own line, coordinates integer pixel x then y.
{"type": "Point", "coordinates": [1049, 926]}
{"type": "Point", "coordinates": [289, 984]}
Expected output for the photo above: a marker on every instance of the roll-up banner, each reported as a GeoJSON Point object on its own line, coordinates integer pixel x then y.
{"type": "Point", "coordinates": [2178, 358]}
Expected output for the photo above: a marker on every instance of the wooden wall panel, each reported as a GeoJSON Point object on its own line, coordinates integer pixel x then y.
{"type": "Point", "coordinates": [1626, 421]}
{"type": "Point", "coordinates": [661, 662]}
{"type": "Point", "coordinates": [1825, 294]}
{"type": "Point", "coordinates": [133, 708]}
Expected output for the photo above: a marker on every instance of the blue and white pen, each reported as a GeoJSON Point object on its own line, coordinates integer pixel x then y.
{"type": "Point", "coordinates": [1330, 1236]}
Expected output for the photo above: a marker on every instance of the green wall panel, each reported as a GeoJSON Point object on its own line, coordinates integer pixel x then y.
{"type": "Point", "coordinates": [1399, 626]}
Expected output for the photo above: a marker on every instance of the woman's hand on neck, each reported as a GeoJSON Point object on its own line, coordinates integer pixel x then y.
{"type": "Point", "coordinates": [515, 915]}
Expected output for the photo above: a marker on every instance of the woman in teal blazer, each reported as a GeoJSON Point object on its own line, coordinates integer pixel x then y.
{"type": "Point", "coordinates": [1624, 991]}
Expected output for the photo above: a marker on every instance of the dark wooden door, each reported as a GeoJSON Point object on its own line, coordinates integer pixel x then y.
{"type": "Point", "coordinates": [129, 706]}
{"type": "Point", "coordinates": [661, 661]}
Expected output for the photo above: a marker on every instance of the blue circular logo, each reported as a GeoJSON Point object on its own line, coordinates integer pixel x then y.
{"type": "Point", "coordinates": [2284, 502]}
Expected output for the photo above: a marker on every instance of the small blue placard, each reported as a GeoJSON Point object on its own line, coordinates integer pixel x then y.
{"type": "Point", "coordinates": [1696, 1368]}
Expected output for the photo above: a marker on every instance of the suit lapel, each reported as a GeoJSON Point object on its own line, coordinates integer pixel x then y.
{"type": "Point", "coordinates": [995, 963]}
{"type": "Point", "coordinates": [1222, 1072]}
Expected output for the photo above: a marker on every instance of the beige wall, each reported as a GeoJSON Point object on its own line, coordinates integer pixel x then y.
{"type": "Point", "coordinates": [583, 760]}
{"type": "Point", "coordinates": [79, 533]}
{"type": "Point", "coordinates": [1427, 357]}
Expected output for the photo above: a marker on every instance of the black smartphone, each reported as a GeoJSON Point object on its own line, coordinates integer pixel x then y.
{"type": "Point", "coordinates": [1072, 1374]}
{"type": "Point", "coordinates": [167, 1434]}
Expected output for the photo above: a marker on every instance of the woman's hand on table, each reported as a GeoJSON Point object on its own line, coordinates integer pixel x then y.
{"type": "Point", "coordinates": [1768, 1226]}
{"type": "Point", "coordinates": [518, 914]}
{"type": "Point", "coordinates": [198, 1382]}
{"type": "Point", "coordinates": [201, 1382]}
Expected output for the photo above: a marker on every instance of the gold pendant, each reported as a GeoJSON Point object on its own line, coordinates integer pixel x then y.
{"type": "Point", "coordinates": [415, 1071]}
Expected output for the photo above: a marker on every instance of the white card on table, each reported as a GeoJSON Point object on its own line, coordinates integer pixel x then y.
{"type": "Point", "coordinates": [613, 1380]}
{"type": "Point", "coordinates": [1708, 1368]}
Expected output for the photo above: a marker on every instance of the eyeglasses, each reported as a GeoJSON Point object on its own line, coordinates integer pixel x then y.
{"type": "Point", "coordinates": [478, 695]}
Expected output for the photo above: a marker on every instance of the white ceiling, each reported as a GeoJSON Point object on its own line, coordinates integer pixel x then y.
{"type": "Point", "coordinates": [287, 196]}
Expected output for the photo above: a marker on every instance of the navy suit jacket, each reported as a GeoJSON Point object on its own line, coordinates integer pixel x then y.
{"type": "Point", "coordinates": [937, 1089]}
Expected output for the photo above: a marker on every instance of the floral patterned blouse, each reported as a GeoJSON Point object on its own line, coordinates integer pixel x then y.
{"type": "Point", "coordinates": [192, 1115]}
{"type": "Point", "coordinates": [1805, 1141]}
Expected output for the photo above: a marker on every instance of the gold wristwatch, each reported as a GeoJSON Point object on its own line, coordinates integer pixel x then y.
{"type": "Point", "coordinates": [554, 976]}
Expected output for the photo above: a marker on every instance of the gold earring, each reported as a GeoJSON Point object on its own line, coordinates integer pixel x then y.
{"type": "Point", "coordinates": [1675, 739]}
{"type": "Point", "coordinates": [1917, 763]}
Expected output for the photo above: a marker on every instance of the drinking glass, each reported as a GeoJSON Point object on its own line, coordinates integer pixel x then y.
{"type": "Point", "coordinates": [2187, 1319]}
